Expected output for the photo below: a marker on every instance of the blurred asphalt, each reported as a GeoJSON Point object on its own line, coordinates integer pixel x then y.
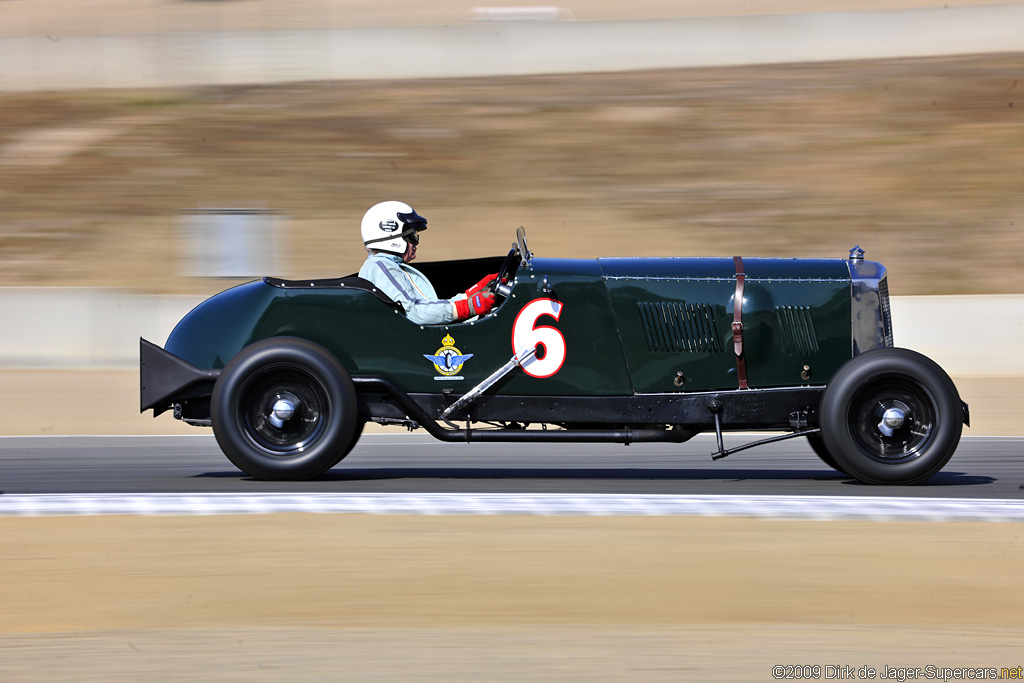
{"type": "Point", "coordinates": [402, 463]}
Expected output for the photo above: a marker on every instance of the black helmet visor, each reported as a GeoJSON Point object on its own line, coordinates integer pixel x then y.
{"type": "Point", "coordinates": [413, 220]}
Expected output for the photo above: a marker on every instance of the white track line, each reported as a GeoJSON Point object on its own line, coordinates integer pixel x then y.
{"type": "Point", "coordinates": [770, 507]}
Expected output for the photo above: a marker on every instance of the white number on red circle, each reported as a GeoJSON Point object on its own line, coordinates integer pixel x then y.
{"type": "Point", "coordinates": [548, 341]}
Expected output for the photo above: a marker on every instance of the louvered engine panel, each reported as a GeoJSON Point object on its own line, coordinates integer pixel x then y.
{"type": "Point", "coordinates": [795, 328]}
{"type": "Point", "coordinates": [679, 327]}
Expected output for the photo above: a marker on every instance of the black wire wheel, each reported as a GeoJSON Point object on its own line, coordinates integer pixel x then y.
{"type": "Point", "coordinates": [891, 416]}
{"type": "Point", "coordinates": [285, 408]}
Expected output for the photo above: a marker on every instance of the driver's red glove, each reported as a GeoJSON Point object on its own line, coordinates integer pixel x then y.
{"type": "Point", "coordinates": [482, 285]}
{"type": "Point", "coordinates": [478, 304]}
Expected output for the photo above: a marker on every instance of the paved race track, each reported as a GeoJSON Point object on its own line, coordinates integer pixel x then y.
{"type": "Point", "coordinates": [983, 467]}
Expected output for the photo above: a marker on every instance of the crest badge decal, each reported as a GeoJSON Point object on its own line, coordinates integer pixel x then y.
{"type": "Point", "coordinates": [448, 360]}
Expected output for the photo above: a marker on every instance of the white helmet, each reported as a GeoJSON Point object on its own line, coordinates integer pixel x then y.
{"type": "Point", "coordinates": [386, 225]}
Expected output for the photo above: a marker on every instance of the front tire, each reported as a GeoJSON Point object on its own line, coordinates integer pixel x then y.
{"type": "Point", "coordinates": [891, 416]}
{"type": "Point", "coordinates": [284, 408]}
{"type": "Point", "coordinates": [818, 446]}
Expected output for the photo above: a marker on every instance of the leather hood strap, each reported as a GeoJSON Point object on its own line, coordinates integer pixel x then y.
{"type": "Point", "coordinates": [737, 324]}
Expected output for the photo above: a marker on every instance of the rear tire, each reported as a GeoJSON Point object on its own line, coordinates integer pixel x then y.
{"type": "Point", "coordinates": [891, 416]}
{"type": "Point", "coordinates": [285, 408]}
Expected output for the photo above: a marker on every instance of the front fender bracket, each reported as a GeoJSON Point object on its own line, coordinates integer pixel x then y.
{"type": "Point", "coordinates": [163, 377]}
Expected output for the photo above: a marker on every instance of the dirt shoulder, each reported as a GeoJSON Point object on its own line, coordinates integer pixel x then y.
{"type": "Point", "coordinates": [726, 595]}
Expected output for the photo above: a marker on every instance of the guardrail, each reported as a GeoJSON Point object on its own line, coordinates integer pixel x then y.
{"type": "Point", "coordinates": [60, 327]}
{"type": "Point", "coordinates": [79, 327]}
{"type": "Point", "coordinates": [174, 59]}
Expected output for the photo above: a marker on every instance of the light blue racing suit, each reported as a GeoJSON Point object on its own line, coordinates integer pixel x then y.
{"type": "Point", "coordinates": [408, 287]}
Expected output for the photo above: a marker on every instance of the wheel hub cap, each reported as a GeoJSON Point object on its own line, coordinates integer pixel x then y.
{"type": "Point", "coordinates": [892, 415]}
{"type": "Point", "coordinates": [283, 410]}
{"type": "Point", "coordinates": [892, 419]}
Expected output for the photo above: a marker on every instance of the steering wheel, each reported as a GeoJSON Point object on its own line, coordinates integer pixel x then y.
{"type": "Point", "coordinates": [507, 268]}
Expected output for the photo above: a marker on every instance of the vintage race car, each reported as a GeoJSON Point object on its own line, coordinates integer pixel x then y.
{"type": "Point", "coordinates": [584, 350]}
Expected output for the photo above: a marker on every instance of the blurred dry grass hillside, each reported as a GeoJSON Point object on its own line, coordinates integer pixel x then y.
{"type": "Point", "coordinates": [921, 162]}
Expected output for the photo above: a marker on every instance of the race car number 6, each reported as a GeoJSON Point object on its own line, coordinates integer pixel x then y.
{"type": "Point", "coordinates": [526, 334]}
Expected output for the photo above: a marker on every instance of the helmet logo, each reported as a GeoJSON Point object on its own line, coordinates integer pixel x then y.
{"type": "Point", "coordinates": [389, 225]}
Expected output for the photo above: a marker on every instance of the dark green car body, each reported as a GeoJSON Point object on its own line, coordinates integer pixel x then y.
{"type": "Point", "coordinates": [592, 350]}
{"type": "Point", "coordinates": [630, 326]}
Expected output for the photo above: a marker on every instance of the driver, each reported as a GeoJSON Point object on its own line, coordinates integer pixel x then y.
{"type": "Point", "coordinates": [391, 231]}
